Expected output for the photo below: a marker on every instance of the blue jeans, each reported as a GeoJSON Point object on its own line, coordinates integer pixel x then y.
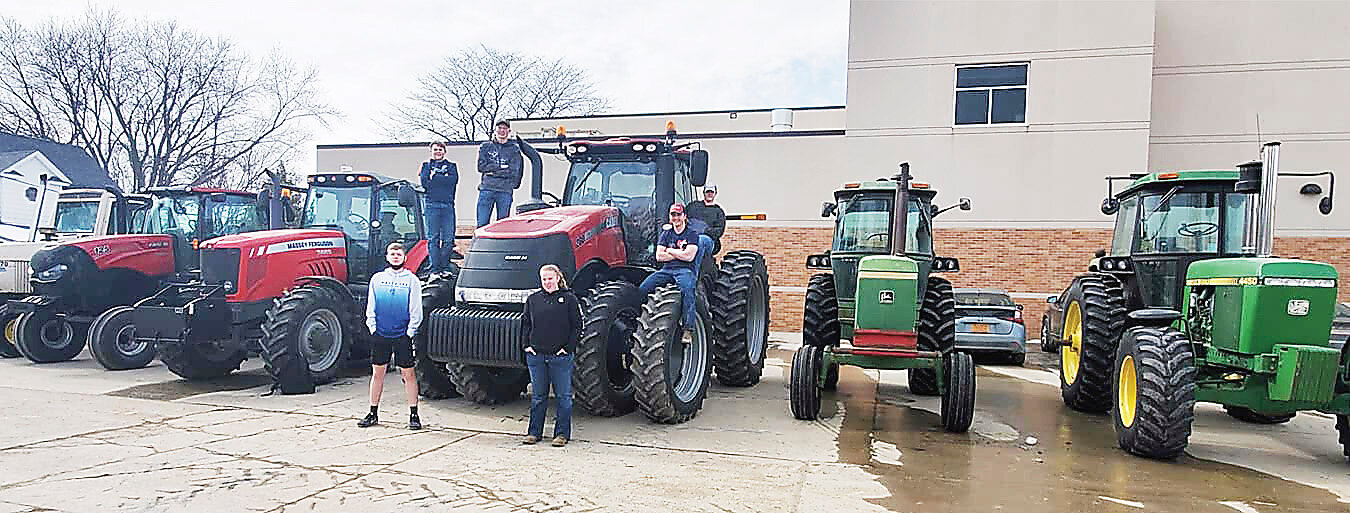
{"type": "Point", "coordinates": [550, 371]}
{"type": "Point", "coordinates": [682, 277]}
{"type": "Point", "coordinates": [488, 199]}
{"type": "Point", "coordinates": [440, 234]}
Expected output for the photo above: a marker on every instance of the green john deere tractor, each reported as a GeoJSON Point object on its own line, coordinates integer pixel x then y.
{"type": "Point", "coordinates": [882, 297]}
{"type": "Point", "coordinates": [1190, 305]}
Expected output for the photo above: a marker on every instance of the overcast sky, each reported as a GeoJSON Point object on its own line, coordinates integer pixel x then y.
{"type": "Point", "coordinates": [644, 56]}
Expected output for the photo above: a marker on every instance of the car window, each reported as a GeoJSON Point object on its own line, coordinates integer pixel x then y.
{"type": "Point", "coordinates": [983, 299]}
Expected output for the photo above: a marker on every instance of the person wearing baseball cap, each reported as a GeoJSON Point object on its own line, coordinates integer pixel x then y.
{"type": "Point", "coordinates": [677, 248]}
{"type": "Point", "coordinates": [711, 216]}
{"type": "Point", "coordinates": [502, 166]}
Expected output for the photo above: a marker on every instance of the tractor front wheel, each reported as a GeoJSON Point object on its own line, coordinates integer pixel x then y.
{"type": "Point", "coordinates": [488, 385]}
{"type": "Point", "coordinates": [9, 329]}
{"type": "Point", "coordinates": [741, 309]}
{"type": "Point", "coordinates": [112, 341]}
{"type": "Point", "coordinates": [671, 364]}
{"type": "Point", "coordinates": [1255, 417]}
{"type": "Point", "coordinates": [204, 359]}
{"type": "Point", "coordinates": [1154, 392]}
{"type": "Point", "coordinates": [306, 339]}
{"type": "Point", "coordinates": [1046, 345]}
{"type": "Point", "coordinates": [44, 337]}
{"type": "Point", "coordinates": [958, 398]}
{"type": "Point", "coordinates": [1093, 319]}
{"type": "Point", "coordinates": [603, 382]}
{"type": "Point", "coordinates": [937, 331]}
{"type": "Point", "coordinates": [804, 386]}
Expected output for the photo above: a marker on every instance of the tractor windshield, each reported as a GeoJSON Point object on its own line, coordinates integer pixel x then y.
{"type": "Point", "coordinates": [618, 184]}
{"type": "Point", "coordinates": [1190, 222]}
{"type": "Point", "coordinates": [865, 226]}
{"type": "Point", "coordinates": [76, 216]}
{"type": "Point", "coordinates": [340, 208]}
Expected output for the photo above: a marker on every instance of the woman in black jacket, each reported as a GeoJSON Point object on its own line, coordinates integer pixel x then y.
{"type": "Point", "coordinates": [548, 352]}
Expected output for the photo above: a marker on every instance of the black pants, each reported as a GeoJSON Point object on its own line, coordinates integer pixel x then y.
{"type": "Point", "coordinates": [381, 348]}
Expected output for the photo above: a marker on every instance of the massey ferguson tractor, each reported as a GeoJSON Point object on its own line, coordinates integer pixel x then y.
{"type": "Point", "coordinates": [1191, 305]}
{"type": "Point", "coordinates": [602, 233]}
{"type": "Point", "coordinates": [79, 213]}
{"type": "Point", "coordinates": [880, 305]}
{"type": "Point", "coordinates": [86, 286]}
{"type": "Point", "coordinates": [295, 295]}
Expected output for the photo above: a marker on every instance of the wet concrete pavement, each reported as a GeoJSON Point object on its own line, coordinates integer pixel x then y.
{"type": "Point", "coordinates": [81, 439]}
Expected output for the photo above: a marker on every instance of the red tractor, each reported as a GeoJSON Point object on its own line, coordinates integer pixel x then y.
{"type": "Point", "coordinates": [296, 295]}
{"type": "Point", "coordinates": [87, 286]}
{"type": "Point", "coordinates": [602, 234]}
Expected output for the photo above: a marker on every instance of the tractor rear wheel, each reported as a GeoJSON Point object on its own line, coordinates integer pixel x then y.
{"type": "Point", "coordinates": [112, 341]}
{"type": "Point", "coordinates": [820, 315]}
{"type": "Point", "coordinates": [433, 379]}
{"type": "Point", "coordinates": [804, 385]}
{"type": "Point", "coordinates": [937, 331]}
{"type": "Point", "coordinates": [1254, 417]}
{"type": "Point", "coordinates": [741, 313]}
{"type": "Point", "coordinates": [1154, 389]}
{"type": "Point", "coordinates": [958, 400]}
{"type": "Point", "coordinates": [9, 329]}
{"type": "Point", "coordinates": [1093, 319]}
{"type": "Point", "coordinates": [204, 359]}
{"type": "Point", "coordinates": [44, 337]}
{"type": "Point", "coordinates": [488, 385]}
{"type": "Point", "coordinates": [671, 365]}
{"type": "Point", "coordinates": [307, 336]}
{"type": "Point", "coordinates": [603, 384]}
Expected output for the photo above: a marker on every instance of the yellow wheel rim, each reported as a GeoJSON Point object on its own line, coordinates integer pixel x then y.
{"type": "Point", "coordinates": [12, 330]}
{"type": "Point", "coordinates": [1071, 343]}
{"type": "Point", "coordinates": [1127, 392]}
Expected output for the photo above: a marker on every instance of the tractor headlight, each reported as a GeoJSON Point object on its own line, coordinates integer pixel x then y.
{"type": "Point", "coordinates": [1300, 282]}
{"type": "Point", "coordinates": [651, 147]}
{"type": "Point", "coordinates": [1109, 265]}
{"type": "Point", "coordinates": [52, 273]}
{"type": "Point", "coordinates": [637, 147]}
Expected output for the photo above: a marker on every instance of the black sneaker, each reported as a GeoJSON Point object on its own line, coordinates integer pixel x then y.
{"type": "Point", "coordinates": [370, 420]}
{"type": "Point", "coordinates": [414, 423]}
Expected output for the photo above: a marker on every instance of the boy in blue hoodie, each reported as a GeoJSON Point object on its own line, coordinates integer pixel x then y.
{"type": "Point", "coordinates": [393, 314]}
{"type": "Point", "coordinates": [440, 178]}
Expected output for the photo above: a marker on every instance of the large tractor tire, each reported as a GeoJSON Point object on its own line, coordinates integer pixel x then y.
{"type": "Point", "coordinates": [1255, 417]}
{"type": "Point", "coordinates": [671, 368]}
{"type": "Point", "coordinates": [1154, 389]}
{"type": "Point", "coordinates": [205, 359]}
{"type": "Point", "coordinates": [1046, 345]}
{"type": "Point", "coordinates": [937, 331]}
{"type": "Point", "coordinates": [433, 378]}
{"type": "Point", "coordinates": [603, 383]}
{"type": "Point", "coordinates": [958, 400]}
{"type": "Point", "coordinates": [9, 329]}
{"type": "Point", "coordinates": [804, 384]}
{"type": "Point", "coordinates": [112, 341]}
{"type": "Point", "coordinates": [1094, 315]}
{"type": "Point", "coordinates": [488, 385]}
{"type": "Point", "coordinates": [306, 338]}
{"type": "Point", "coordinates": [741, 312]}
{"type": "Point", "coordinates": [831, 377]}
{"type": "Point", "coordinates": [1343, 430]}
{"type": "Point", "coordinates": [820, 315]}
{"type": "Point", "coordinates": [44, 337]}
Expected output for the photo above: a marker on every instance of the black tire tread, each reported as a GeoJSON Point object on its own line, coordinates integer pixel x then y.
{"type": "Point", "coordinates": [936, 331]}
{"type": "Point", "coordinates": [1103, 311]}
{"type": "Point", "coordinates": [803, 389]}
{"type": "Point", "coordinates": [281, 338]}
{"type": "Point", "coordinates": [958, 403]}
{"type": "Point", "coordinates": [7, 349]}
{"type": "Point", "coordinates": [105, 351]}
{"type": "Point", "coordinates": [184, 360]}
{"type": "Point", "coordinates": [485, 385]}
{"type": "Point", "coordinates": [820, 315]}
{"type": "Point", "coordinates": [37, 352]}
{"type": "Point", "coordinates": [656, 328]}
{"type": "Point", "coordinates": [1165, 409]}
{"type": "Point", "coordinates": [731, 311]}
{"type": "Point", "coordinates": [591, 386]}
{"type": "Point", "coordinates": [433, 380]}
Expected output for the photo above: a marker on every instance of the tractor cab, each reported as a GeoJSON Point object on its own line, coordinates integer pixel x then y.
{"type": "Point", "coordinates": [192, 215]}
{"type": "Point", "coordinates": [370, 210]}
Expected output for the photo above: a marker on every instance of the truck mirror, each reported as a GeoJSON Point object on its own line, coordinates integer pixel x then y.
{"type": "Point", "coordinates": [698, 167]}
{"type": "Point", "coordinates": [407, 197]}
{"type": "Point", "coordinates": [965, 203]}
{"type": "Point", "coordinates": [1110, 206]}
{"type": "Point", "coordinates": [828, 209]}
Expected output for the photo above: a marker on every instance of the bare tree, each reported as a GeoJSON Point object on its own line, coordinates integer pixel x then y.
{"type": "Point", "coordinates": [154, 103]}
{"type": "Point", "coordinates": [462, 98]}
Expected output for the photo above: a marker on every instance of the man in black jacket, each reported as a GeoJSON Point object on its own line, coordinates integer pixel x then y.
{"type": "Point", "coordinates": [501, 161]}
{"type": "Point", "coordinates": [710, 214]}
{"type": "Point", "coordinates": [550, 329]}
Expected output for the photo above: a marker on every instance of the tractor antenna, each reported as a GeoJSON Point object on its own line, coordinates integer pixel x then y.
{"type": "Point", "coordinates": [1259, 146]}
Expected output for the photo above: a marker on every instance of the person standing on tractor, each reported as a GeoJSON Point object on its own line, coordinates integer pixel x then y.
{"type": "Point", "coordinates": [710, 214]}
{"type": "Point", "coordinates": [393, 314]}
{"type": "Point", "coordinates": [440, 178]}
{"type": "Point", "coordinates": [551, 328]}
{"type": "Point", "coordinates": [680, 248]}
{"type": "Point", "coordinates": [502, 166]}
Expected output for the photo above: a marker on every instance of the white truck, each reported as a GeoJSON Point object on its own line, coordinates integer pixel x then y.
{"type": "Point", "coordinates": [79, 213]}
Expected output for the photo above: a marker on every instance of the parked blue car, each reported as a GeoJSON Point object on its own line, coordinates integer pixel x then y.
{"type": "Point", "coordinates": [988, 321]}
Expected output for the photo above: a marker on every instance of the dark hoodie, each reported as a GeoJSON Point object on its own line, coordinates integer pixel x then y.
{"type": "Point", "coordinates": [502, 165]}
{"type": "Point", "coordinates": [440, 178]}
{"type": "Point", "coordinates": [557, 317]}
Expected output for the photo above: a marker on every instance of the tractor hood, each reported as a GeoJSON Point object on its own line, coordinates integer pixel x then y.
{"type": "Point", "coordinates": [1260, 268]}
{"type": "Point", "coordinates": [571, 220]}
{"type": "Point", "coordinates": [278, 240]}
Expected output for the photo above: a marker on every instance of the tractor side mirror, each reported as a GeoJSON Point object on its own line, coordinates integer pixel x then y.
{"type": "Point", "coordinates": [828, 208]}
{"type": "Point", "coordinates": [407, 197]}
{"type": "Point", "coordinates": [1324, 206]}
{"type": "Point", "coordinates": [698, 167]}
{"type": "Point", "coordinates": [262, 199]}
{"type": "Point", "coordinates": [1052, 300]}
{"type": "Point", "coordinates": [965, 204]}
{"type": "Point", "coordinates": [1110, 206]}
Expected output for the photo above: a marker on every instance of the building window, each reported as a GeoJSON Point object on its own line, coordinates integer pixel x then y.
{"type": "Point", "coordinates": [988, 94]}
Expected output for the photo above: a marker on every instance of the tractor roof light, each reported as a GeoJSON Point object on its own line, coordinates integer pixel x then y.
{"type": "Point", "coordinates": [918, 185]}
{"type": "Point", "coordinates": [1169, 176]}
{"type": "Point", "coordinates": [670, 127]}
{"type": "Point", "coordinates": [562, 131]}
{"type": "Point", "coordinates": [853, 185]}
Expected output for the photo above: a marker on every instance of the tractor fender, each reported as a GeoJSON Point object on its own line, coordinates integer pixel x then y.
{"type": "Point", "coordinates": [330, 283]}
{"type": "Point", "coordinates": [1151, 318]}
{"type": "Point", "coordinates": [593, 272]}
{"type": "Point", "coordinates": [630, 274]}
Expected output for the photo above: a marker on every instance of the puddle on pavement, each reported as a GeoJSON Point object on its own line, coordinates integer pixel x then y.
{"type": "Point", "coordinates": [1074, 467]}
{"type": "Point", "coordinates": [178, 389]}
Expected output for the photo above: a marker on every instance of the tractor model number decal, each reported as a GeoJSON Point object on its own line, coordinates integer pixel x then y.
{"type": "Point", "coordinates": [887, 297]}
{"type": "Point", "coordinates": [102, 250]}
{"type": "Point", "coordinates": [586, 236]}
{"type": "Point", "coordinates": [156, 244]}
{"type": "Point", "coordinates": [1297, 307]}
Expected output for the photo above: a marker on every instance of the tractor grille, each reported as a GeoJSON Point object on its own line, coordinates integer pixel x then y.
{"type": "Point", "coordinates": [220, 266]}
{"type": "Point", "coordinates": [475, 336]}
{"type": "Point", "coordinates": [15, 277]}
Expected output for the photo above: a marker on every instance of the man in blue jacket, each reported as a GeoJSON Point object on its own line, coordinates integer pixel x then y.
{"type": "Point", "coordinates": [393, 314]}
{"type": "Point", "coordinates": [440, 178]}
{"type": "Point", "coordinates": [502, 166]}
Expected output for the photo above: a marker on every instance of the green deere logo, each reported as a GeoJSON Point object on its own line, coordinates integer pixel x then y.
{"type": "Point", "coordinates": [887, 297]}
{"type": "Point", "coordinates": [1297, 307]}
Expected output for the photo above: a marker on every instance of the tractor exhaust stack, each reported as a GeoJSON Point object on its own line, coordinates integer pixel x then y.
{"type": "Point", "coordinates": [901, 232]}
{"type": "Point", "coordinates": [1262, 178]}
